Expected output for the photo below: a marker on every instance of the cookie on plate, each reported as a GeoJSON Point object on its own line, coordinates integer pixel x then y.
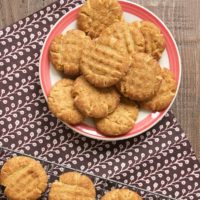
{"type": "Point", "coordinates": [105, 62]}
{"type": "Point", "coordinates": [61, 103]}
{"type": "Point", "coordinates": [72, 186]}
{"type": "Point", "coordinates": [121, 194]}
{"type": "Point", "coordinates": [94, 102]}
{"type": "Point", "coordinates": [133, 39]}
{"type": "Point", "coordinates": [154, 39]}
{"type": "Point", "coordinates": [23, 178]}
{"type": "Point", "coordinates": [96, 15]}
{"type": "Point", "coordinates": [66, 49]}
{"type": "Point", "coordinates": [143, 79]}
{"type": "Point", "coordinates": [120, 121]}
{"type": "Point", "coordinates": [165, 93]}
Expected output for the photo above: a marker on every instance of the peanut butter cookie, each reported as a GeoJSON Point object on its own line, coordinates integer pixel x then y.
{"type": "Point", "coordinates": [165, 93]}
{"type": "Point", "coordinates": [72, 186]}
{"type": "Point", "coordinates": [61, 103]}
{"type": "Point", "coordinates": [24, 178]}
{"type": "Point", "coordinates": [66, 50]}
{"type": "Point", "coordinates": [143, 79]}
{"type": "Point", "coordinates": [154, 39]}
{"type": "Point", "coordinates": [120, 121]}
{"type": "Point", "coordinates": [105, 62]}
{"type": "Point", "coordinates": [121, 194]}
{"type": "Point", "coordinates": [96, 15]}
{"type": "Point", "coordinates": [94, 102]}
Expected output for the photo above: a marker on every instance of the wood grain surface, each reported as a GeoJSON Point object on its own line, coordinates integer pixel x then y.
{"type": "Point", "coordinates": [182, 18]}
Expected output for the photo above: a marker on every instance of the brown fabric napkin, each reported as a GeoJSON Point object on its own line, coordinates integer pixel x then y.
{"type": "Point", "coordinates": [160, 160]}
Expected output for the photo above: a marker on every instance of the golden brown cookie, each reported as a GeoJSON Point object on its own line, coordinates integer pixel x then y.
{"type": "Point", "coordinates": [94, 102]}
{"type": "Point", "coordinates": [72, 186]}
{"type": "Point", "coordinates": [66, 50]}
{"type": "Point", "coordinates": [120, 121]}
{"type": "Point", "coordinates": [24, 178]}
{"type": "Point", "coordinates": [61, 103]}
{"type": "Point", "coordinates": [121, 194]}
{"type": "Point", "coordinates": [154, 39]}
{"type": "Point", "coordinates": [132, 38]}
{"type": "Point", "coordinates": [165, 93]}
{"type": "Point", "coordinates": [143, 79]}
{"type": "Point", "coordinates": [105, 62]}
{"type": "Point", "coordinates": [96, 15]}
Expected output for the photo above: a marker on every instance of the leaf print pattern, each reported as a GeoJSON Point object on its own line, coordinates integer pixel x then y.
{"type": "Point", "coordinates": [160, 160]}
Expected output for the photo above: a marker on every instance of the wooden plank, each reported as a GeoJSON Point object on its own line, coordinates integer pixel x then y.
{"type": "Point", "coordinates": [182, 18]}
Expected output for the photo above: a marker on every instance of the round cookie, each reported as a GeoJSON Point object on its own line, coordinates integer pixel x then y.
{"type": "Point", "coordinates": [154, 39]}
{"type": "Point", "coordinates": [96, 15]}
{"type": "Point", "coordinates": [105, 62]}
{"type": "Point", "coordinates": [61, 103]}
{"type": "Point", "coordinates": [132, 38]}
{"type": "Point", "coordinates": [143, 78]}
{"type": "Point", "coordinates": [66, 50]}
{"type": "Point", "coordinates": [94, 102]}
{"type": "Point", "coordinates": [120, 121]}
{"type": "Point", "coordinates": [23, 178]}
{"type": "Point", "coordinates": [165, 93]}
{"type": "Point", "coordinates": [72, 186]}
{"type": "Point", "coordinates": [121, 194]}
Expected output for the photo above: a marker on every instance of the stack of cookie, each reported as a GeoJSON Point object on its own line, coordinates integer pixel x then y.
{"type": "Point", "coordinates": [25, 179]}
{"type": "Point", "coordinates": [111, 69]}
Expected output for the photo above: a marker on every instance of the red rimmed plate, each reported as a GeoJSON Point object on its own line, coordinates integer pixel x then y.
{"type": "Point", "coordinates": [170, 59]}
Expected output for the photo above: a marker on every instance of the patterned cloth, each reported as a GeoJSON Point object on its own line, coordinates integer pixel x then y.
{"type": "Point", "coordinates": [160, 160]}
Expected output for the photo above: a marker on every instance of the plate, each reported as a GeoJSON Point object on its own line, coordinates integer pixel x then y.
{"type": "Point", "coordinates": [170, 59]}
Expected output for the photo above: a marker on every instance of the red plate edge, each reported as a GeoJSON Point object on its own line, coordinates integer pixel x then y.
{"type": "Point", "coordinates": [174, 61]}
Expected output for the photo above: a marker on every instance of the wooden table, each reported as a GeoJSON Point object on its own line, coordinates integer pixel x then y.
{"type": "Point", "coordinates": [182, 18]}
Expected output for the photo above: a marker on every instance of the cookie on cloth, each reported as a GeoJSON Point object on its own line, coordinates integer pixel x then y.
{"type": "Point", "coordinates": [105, 62]}
{"type": "Point", "coordinates": [154, 39]}
{"type": "Point", "coordinates": [94, 102]}
{"type": "Point", "coordinates": [72, 186]}
{"type": "Point", "coordinates": [120, 121]}
{"type": "Point", "coordinates": [133, 39]}
{"type": "Point", "coordinates": [61, 103]}
{"type": "Point", "coordinates": [66, 49]}
{"type": "Point", "coordinates": [121, 194]}
{"type": "Point", "coordinates": [23, 178]}
{"type": "Point", "coordinates": [143, 79]}
{"type": "Point", "coordinates": [165, 93]}
{"type": "Point", "coordinates": [96, 15]}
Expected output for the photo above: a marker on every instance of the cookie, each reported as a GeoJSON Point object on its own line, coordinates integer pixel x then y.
{"type": "Point", "coordinates": [96, 15]}
{"type": "Point", "coordinates": [105, 62]}
{"type": "Point", "coordinates": [66, 50]}
{"type": "Point", "coordinates": [120, 121]}
{"type": "Point", "coordinates": [72, 186]}
{"type": "Point", "coordinates": [61, 103]}
{"type": "Point", "coordinates": [143, 79]}
{"type": "Point", "coordinates": [94, 102]}
{"type": "Point", "coordinates": [132, 38]}
{"type": "Point", "coordinates": [23, 178]}
{"type": "Point", "coordinates": [154, 39]}
{"type": "Point", "coordinates": [165, 93]}
{"type": "Point", "coordinates": [121, 194]}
